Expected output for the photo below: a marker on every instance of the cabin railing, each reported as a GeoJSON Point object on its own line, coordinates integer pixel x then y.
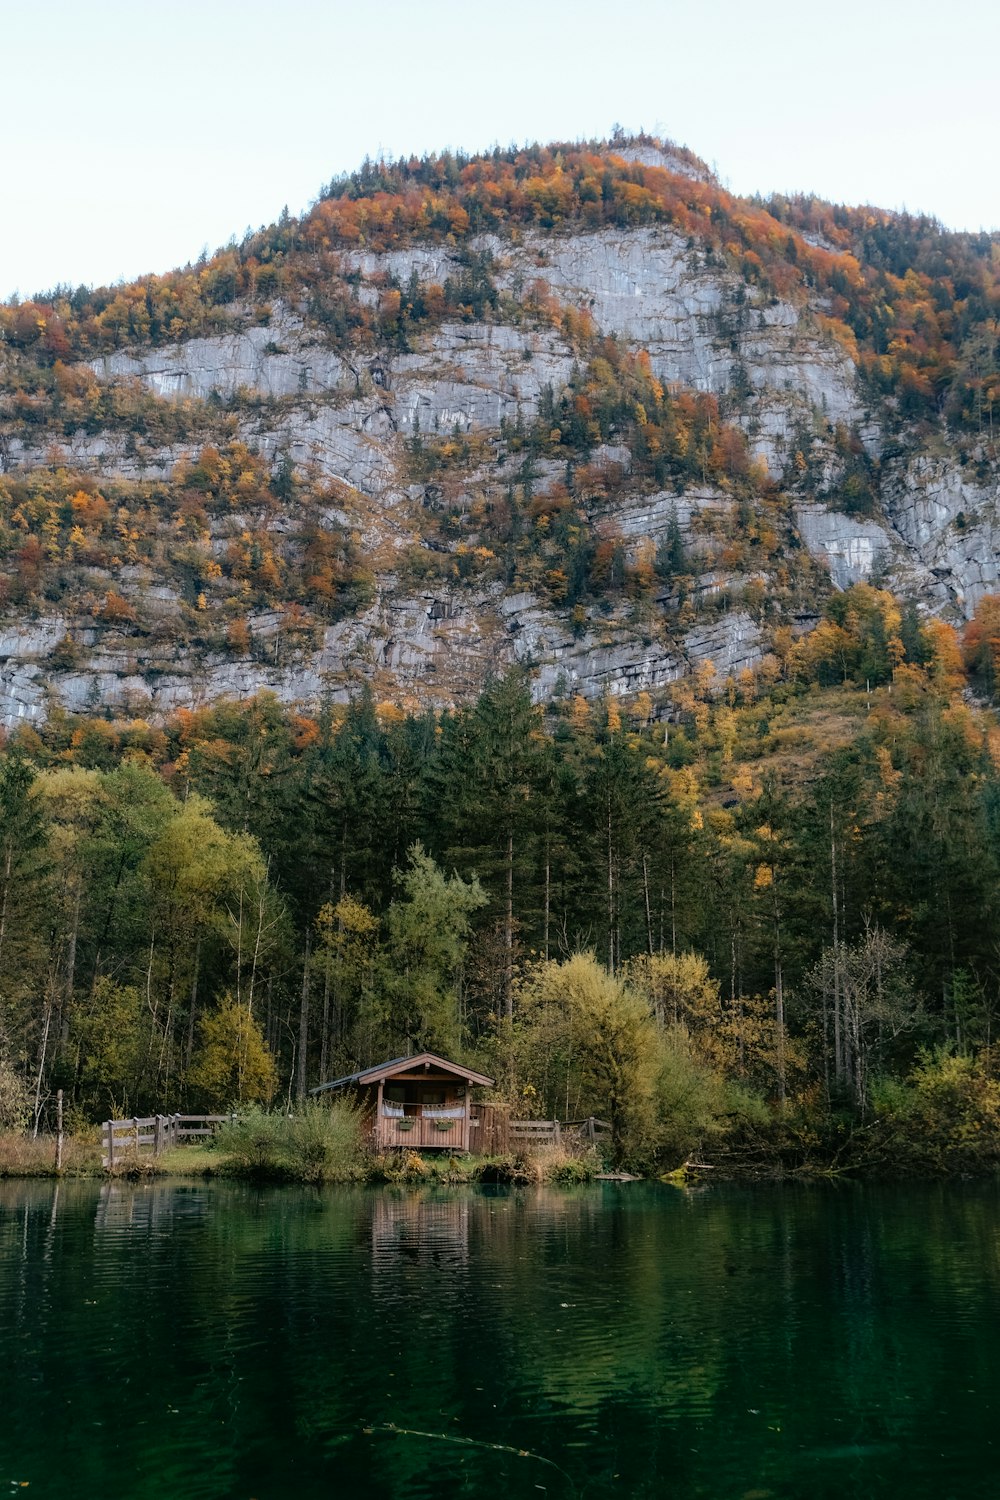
{"type": "Point", "coordinates": [393, 1111]}
{"type": "Point", "coordinates": [154, 1133]}
{"type": "Point", "coordinates": [483, 1129]}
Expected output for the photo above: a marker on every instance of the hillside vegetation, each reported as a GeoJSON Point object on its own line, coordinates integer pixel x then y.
{"type": "Point", "coordinates": [575, 407]}
{"type": "Point", "coordinates": [920, 304]}
{"type": "Point", "coordinates": [539, 607]}
{"type": "Point", "coordinates": [788, 893]}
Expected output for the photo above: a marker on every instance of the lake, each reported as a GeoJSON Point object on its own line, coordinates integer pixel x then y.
{"type": "Point", "coordinates": [213, 1340]}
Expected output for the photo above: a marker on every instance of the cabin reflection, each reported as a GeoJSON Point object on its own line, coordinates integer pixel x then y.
{"type": "Point", "coordinates": [427, 1230]}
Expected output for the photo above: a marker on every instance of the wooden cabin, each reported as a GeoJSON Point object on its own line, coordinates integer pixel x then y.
{"type": "Point", "coordinates": [424, 1103]}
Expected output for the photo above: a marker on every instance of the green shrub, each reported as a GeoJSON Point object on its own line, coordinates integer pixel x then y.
{"type": "Point", "coordinates": [944, 1118]}
{"type": "Point", "coordinates": [320, 1143]}
{"type": "Point", "coordinates": [513, 1167]}
{"type": "Point", "coordinates": [551, 1164]}
{"type": "Point", "coordinates": [15, 1099]}
{"type": "Point", "coordinates": [566, 1170]}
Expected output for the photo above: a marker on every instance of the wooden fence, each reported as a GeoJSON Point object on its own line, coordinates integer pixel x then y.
{"type": "Point", "coordinates": [491, 1132]}
{"type": "Point", "coordinates": [553, 1133]}
{"type": "Point", "coordinates": [588, 1129]}
{"type": "Point", "coordinates": [155, 1133]}
{"type": "Point", "coordinates": [534, 1133]}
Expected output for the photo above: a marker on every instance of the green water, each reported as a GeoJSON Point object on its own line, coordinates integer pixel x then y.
{"type": "Point", "coordinates": [624, 1339]}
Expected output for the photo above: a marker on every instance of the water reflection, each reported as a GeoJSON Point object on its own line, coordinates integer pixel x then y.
{"type": "Point", "coordinates": [424, 1228]}
{"type": "Point", "coordinates": [214, 1340]}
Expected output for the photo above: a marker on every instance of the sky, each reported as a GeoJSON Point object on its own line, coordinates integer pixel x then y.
{"type": "Point", "coordinates": [138, 134]}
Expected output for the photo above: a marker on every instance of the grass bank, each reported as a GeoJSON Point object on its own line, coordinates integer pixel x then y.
{"type": "Point", "coordinates": [320, 1144]}
{"type": "Point", "coordinates": [324, 1143]}
{"type": "Point", "coordinates": [24, 1155]}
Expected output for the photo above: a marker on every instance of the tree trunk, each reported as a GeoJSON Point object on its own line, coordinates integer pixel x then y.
{"type": "Point", "coordinates": [324, 1040]}
{"type": "Point", "coordinates": [508, 933]}
{"type": "Point", "coordinates": [779, 1003]}
{"type": "Point", "coordinates": [649, 915]}
{"type": "Point", "coordinates": [193, 1006]}
{"type": "Point", "coordinates": [673, 910]}
{"type": "Point", "coordinates": [736, 1003]}
{"type": "Point", "coordinates": [548, 880]}
{"type": "Point", "coordinates": [838, 1045]}
{"type": "Point", "coordinates": [611, 893]}
{"type": "Point", "coordinates": [302, 1061]}
{"type": "Point", "coordinates": [42, 1051]}
{"type": "Point", "coordinates": [8, 866]}
{"type": "Point", "coordinates": [67, 1002]}
{"type": "Point", "coordinates": [779, 1010]}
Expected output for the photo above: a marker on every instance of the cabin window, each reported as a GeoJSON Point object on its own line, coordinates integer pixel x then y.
{"type": "Point", "coordinates": [432, 1096]}
{"type": "Point", "coordinates": [395, 1093]}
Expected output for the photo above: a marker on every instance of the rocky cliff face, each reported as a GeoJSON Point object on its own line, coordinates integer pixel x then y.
{"type": "Point", "coordinates": [353, 417]}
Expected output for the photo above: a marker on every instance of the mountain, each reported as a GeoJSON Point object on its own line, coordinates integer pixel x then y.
{"type": "Point", "coordinates": [574, 407]}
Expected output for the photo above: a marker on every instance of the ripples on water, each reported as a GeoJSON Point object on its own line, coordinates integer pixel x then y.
{"type": "Point", "coordinates": [627, 1339]}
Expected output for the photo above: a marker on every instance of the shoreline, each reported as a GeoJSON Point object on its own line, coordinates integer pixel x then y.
{"type": "Point", "coordinates": [192, 1163]}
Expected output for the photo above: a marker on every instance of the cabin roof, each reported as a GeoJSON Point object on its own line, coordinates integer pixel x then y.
{"type": "Point", "coordinates": [397, 1065]}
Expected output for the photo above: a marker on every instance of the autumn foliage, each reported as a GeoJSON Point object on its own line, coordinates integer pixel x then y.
{"type": "Point", "coordinates": [916, 306]}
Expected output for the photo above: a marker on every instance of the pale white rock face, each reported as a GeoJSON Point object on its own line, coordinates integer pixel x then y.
{"type": "Point", "coordinates": [24, 698]}
{"type": "Point", "coordinates": [648, 518]}
{"type": "Point", "coordinates": [644, 285]}
{"type": "Point", "coordinates": [731, 642]}
{"type": "Point", "coordinates": [476, 374]}
{"type": "Point", "coordinates": [353, 442]}
{"type": "Point", "coordinates": [118, 455]}
{"type": "Point", "coordinates": [594, 668]}
{"type": "Point", "coordinates": [847, 545]}
{"type": "Point", "coordinates": [648, 287]}
{"type": "Point", "coordinates": [951, 525]}
{"type": "Point", "coordinates": [613, 657]}
{"type": "Point", "coordinates": [277, 360]}
{"type": "Point", "coordinates": [663, 156]}
{"type": "Point", "coordinates": [432, 263]}
{"type": "Point", "coordinates": [435, 647]}
{"type": "Point", "coordinates": [31, 638]}
{"type": "Point", "coordinates": [609, 656]}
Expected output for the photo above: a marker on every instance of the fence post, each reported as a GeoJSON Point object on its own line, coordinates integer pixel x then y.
{"type": "Point", "coordinates": [109, 1126]}
{"type": "Point", "coordinates": [157, 1135]}
{"type": "Point", "coordinates": [59, 1129]}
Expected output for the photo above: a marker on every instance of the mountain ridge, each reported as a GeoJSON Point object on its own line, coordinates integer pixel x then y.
{"type": "Point", "coordinates": [569, 408]}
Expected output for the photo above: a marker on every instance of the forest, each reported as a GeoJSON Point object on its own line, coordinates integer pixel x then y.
{"type": "Point", "coordinates": [759, 911]}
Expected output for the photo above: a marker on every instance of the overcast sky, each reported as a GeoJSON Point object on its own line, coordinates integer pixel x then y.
{"type": "Point", "coordinates": [136, 133]}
